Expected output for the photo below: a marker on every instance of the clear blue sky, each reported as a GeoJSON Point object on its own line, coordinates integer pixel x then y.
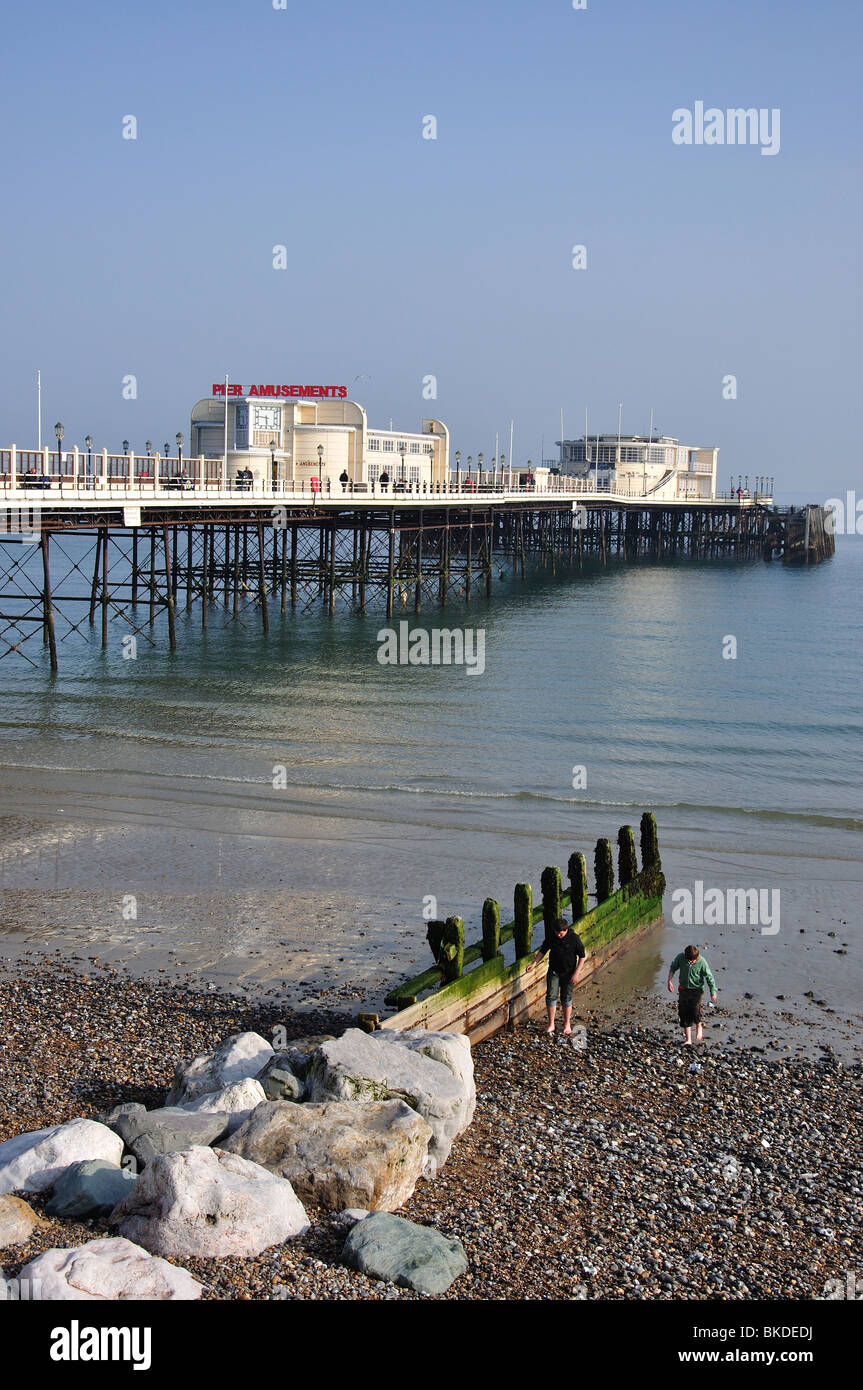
{"type": "Point", "coordinates": [407, 256]}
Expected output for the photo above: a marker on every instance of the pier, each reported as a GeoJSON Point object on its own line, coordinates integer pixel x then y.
{"type": "Point", "coordinates": [182, 537]}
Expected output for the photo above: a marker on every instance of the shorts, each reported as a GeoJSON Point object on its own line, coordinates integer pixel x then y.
{"type": "Point", "coordinates": [555, 984]}
{"type": "Point", "coordinates": [689, 1007]}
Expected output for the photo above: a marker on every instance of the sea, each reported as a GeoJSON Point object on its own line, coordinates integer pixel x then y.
{"type": "Point", "coordinates": [281, 814]}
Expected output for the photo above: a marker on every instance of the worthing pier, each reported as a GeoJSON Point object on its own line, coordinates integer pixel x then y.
{"type": "Point", "coordinates": [93, 546]}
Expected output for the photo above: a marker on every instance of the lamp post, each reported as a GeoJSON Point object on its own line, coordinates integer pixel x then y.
{"type": "Point", "coordinates": [502, 466]}
{"type": "Point", "coordinates": [125, 446]}
{"type": "Point", "coordinates": [402, 453]}
{"type": "Point", "coordinates": [273, 463]}
{"type": "Point", "coordinates": [58, 430]}
{"type": "Point", "coordinates": [458, 467]}
{"type": "Point", "coordinates": [88, 444]}
{"type": "Point", "coordinates": [479, 462]}
{"type": "Point", "coordinates": [179, 438]}
{"type": "Point", "coordinates": [321, 470]}
{"type": "Point", "coordinates": [148, 445]}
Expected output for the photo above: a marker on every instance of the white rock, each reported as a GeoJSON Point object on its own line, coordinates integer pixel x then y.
{"type": "Point", "coordinates": [32, 1162]}
{"type": "Point", "coordinates": [363, 1066]}
{"type": "Point", "coordinates": [237, 1100]}
{"type": "Point", "coordinates": [108, 1269]}
{"type": "Point", "coordinates": [240, 1056]}
{"type": "Point", "coordinates": [205, 1202]}
{"type": "Point", "coordinates": [340, 1154]}
{"type": "Point", "coordinates": [451, 1049]}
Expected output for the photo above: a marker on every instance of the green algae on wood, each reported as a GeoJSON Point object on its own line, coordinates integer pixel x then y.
{"type": "Point", "coordinates": [577, 873]}
{"type": "Point", "coordinates": [523, 919]}
{"type": "Point", "coordinates": [551, 904]}
{"type": "Point", "coordinates": [627, 863]}
{"type": "Point", "coordinates": [452, 949]}
{"type": "Point", "coordinates": [603, 870]}
{"type": "Point", "coordinates": [490, 929]}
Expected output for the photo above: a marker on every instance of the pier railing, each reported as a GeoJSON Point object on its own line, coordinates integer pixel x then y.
{"type": "Point", "coordinates": [79, 476]}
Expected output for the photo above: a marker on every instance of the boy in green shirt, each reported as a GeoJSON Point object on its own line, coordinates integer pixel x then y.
{"type": "Point", "coordinates": [694, 974]}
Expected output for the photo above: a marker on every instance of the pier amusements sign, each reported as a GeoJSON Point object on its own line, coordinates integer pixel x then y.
{"type": "Point", "coordinates": [321, 392]}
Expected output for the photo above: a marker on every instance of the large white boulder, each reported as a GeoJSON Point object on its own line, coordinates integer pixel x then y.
{"type": "Point", "coordinates": [340, 1154]}
{"type": "Point", "coordinates": [107, 1269]}
{"type": "Point", "coordinates": [32, 1162]}
{"type": "Point", "coordinates": [237, 1100]}
{"type": "Point", "coordinates": [451, 1049]}
{"type": "Point", "coordinates": [240, 1056]}
{"type": "Point", "coordinates": [205, 1202]}
{"type": "Point", "coordinates": [372, 1066]}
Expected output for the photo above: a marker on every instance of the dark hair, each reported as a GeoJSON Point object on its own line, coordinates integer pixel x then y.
{"type": "Point", "coordinates": [691, 953]}
{"type": "Point", "coordinates": [562, 924]}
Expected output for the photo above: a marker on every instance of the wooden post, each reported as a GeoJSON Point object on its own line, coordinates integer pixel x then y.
{"type": "Point", "coordinates": [577, 873]}
{"type": "Point", "coordinates": [134, 566]}
{"type": "Point", "coordinates": [603, 869]}
{"type": "Point", "coordinates": [189, 558]}
{"type": "Point", "coordinates": [418, 591]}
{"type": "Point", "coordinates": [169, 588]}
{"type": "Point", "coordinates": [294, 565]}
{"type": "Point", "coordinates": [284, 569]}
{"type": "Point", "coordinates": [627, 864]}
{"type": "Point", "coordinates": [649, 842]}
{"type": "Point", "coordinates": [452, 949]}
{"type": "Point", "coordinates": [490, 929]}
{"type": "Point", "coordinates": [522, 919]}
{"type": "Point", "coordinates": [47, 604]}
{"type": "Point", "coordinates": [551, 891]}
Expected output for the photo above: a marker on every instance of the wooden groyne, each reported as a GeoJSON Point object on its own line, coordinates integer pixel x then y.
{"type": "Point", "coordinates": [475, 990]}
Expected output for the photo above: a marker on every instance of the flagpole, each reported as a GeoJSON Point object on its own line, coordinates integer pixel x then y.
{"type": "Point", "coordinates": [225, 472]}
{"type": "Point", "coordinates": [39, 406]}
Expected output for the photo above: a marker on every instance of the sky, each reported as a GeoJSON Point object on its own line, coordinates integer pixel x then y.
{"type": "Point", "coordinates": [407, 257]}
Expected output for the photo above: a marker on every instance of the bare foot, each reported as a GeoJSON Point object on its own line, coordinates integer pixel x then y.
{"type": "Point", "coordinates": [549, 1032]}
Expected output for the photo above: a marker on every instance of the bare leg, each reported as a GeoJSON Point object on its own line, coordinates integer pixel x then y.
{"type": "Point", "coordinates": [551, 1010]}
{"type": "Point", "coordinates": [699, 1034]}
{"type": "Point", "coordinates": [687, 1040]}
{"type": "Point", "coordinates": [567, 1021]}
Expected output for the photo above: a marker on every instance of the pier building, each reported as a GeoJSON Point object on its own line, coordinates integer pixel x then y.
{"type": "Point", "coordinates": [292, 435]}
{"type": "Point", "coordinates": [658, 466]}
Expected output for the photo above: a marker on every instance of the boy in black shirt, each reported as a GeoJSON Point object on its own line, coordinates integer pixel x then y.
{"type": "Point", "coordinates": [566, 952]}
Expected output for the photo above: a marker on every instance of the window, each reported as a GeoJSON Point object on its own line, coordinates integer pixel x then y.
{"type": "Point", "coordinates": [415, 448]}
{"type": "Point", "coordinates": [373, 471]}
{"type": "Point", "coordinates": [374, 445]}
{"type": "Point", "coordinates": [388, 446]}
{"type": "Point", "coordinates": [413, 472]}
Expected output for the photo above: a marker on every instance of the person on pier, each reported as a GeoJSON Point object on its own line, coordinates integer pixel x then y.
{"type": "Point", "coordinates": [694, 974]}
{"type": "Point", "coordinates": [565, 956]}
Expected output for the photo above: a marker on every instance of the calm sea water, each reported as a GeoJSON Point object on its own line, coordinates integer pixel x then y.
{"type": "Point", "coordinates": [143, 821]}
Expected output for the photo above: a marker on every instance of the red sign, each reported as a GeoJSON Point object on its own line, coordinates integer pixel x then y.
{"type": "Point", "coordinates": [338, 392]}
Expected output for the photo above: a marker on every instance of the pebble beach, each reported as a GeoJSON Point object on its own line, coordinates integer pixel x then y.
{"type": "Point", "coordinates": [625, 1167]}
